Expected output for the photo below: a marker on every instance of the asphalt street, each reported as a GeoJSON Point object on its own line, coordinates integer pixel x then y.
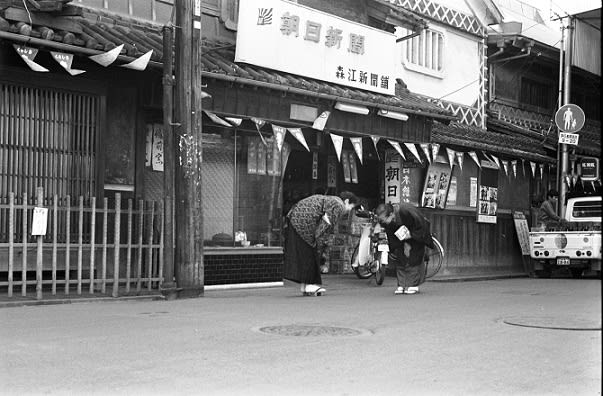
{"type": "Point", "coordinates": [518, 336]}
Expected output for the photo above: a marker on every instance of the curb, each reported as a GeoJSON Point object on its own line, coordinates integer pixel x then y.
{"type": "Point", "coordinates": [13, 304]}
{"type": "Point", "coordinates": [471, 278]}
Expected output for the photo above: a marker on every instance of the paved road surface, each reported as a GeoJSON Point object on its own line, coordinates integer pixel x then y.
{"type": "Point", "coordinates": [466, 338]}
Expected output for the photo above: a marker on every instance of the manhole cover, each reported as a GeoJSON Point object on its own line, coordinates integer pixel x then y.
{"type": "Point", "coordinates": [562, 322]}
{"type": "Point", "coordinates": [313, 331]}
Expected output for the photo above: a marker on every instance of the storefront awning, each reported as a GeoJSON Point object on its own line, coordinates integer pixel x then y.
{"type": "Point", "coordinates": [93, 32]}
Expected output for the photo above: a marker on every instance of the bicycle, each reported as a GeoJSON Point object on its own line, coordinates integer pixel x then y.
{"type": "Point", "coordinates": [433, 259]}
{"type": "Point", "coordinates": [373, 241]}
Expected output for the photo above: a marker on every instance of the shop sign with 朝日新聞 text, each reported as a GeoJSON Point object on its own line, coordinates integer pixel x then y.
{"type": "Point", "coordinates": [289, 37]}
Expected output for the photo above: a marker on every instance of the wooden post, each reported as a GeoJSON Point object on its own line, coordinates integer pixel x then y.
{"type": "Point", "coordinates": [168, 287]}
{"type": "Point", "coordinates": [189, 215]}
{"type": "Point", "coordinates": [40, 241]}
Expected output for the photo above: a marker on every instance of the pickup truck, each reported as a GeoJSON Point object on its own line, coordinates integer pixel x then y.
{"type": "Point", "coordinates": [574, 244]}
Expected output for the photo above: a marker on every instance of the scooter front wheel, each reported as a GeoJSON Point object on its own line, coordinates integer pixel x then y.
{"type": "Point", "coordinates": [361, 271]}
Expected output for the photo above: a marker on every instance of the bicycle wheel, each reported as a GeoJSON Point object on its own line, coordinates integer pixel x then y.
{"type": "Point", "coordinates": [433, 258]}
{"type": "Point", "coordinates": [361, 271]}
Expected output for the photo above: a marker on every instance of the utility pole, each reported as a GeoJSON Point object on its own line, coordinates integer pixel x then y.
{"type": "Point", "coordinates": [169, 286]}
{"type": "Point", "coordinates": [567, 77]}
{"type": "Point", "coordinates": [189, 270]}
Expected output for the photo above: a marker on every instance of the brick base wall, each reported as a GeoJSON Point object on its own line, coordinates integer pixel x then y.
{"type": "Point", "coordinates": [252, 268]}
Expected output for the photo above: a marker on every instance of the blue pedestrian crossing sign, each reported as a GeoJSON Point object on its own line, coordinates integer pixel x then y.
{"type": "Point", "coordinates": [570, 118]}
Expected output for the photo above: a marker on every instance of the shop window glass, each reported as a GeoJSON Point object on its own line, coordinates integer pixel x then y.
{"type": "Point", "coordinates": [242, 190]}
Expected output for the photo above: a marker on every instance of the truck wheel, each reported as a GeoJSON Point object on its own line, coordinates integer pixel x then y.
{"type": "Point", "coordinates": [576, 272]}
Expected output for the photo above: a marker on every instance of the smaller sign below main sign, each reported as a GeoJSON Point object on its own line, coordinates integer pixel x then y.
{"type": "Point", "coordinates": [568, 138]}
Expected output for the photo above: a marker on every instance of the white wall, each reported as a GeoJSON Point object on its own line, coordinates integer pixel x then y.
{"type": "Point", "coordinates": [461, 61]}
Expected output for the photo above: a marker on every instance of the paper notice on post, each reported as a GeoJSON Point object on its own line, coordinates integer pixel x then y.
{"type": "Point", "coordinates": [402, 233]}
{"type": "Point", "coordinates": [39, 222]}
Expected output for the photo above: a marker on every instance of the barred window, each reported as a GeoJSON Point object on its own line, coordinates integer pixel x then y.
{"type": "Point", "coordinates": [424, 52]}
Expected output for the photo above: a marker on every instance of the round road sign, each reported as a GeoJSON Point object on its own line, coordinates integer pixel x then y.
{"type": "Point", "coordinates": [570, 118]}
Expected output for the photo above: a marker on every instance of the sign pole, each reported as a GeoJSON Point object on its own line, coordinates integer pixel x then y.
{"type": "Point", "coordinates": [566, 100]}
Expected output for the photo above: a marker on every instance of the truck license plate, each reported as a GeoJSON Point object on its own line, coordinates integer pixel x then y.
{"type": "Point", "coordinates": [563, 261]}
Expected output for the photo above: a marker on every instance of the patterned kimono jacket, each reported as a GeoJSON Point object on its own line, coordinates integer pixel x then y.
{"type": "Point", "coordinates": [306, 218]}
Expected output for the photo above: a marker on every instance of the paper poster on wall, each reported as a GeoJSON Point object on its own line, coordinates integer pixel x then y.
{"type": "Point", "coordinates": [148, 145]}
{"type": "Point", "coordinates": [393, 164]}
{"type": "Point", "coordinates": [487, 206]}
{"type": "Point", "coordinates": [314, 165]}
{"type": "Point", "coordinates": [345, 160]}
{"type": "Point", "coordinates": [332, 171]}
{"type": "Point", "coordinates": [157, 154]}
{"type": "Point", "coordinates": [472, 192]}
{"type": "Point", "coordinates": [261, 159]}
{"type": "Point", "coordinates": [251, 156]}
{"type": "Point", "coordinates": [452, 192]}
{"type": "Point", "coordinates": [437, 183]}
{"type": "Point", "coordinates": [411, 175]}
{"type": "Point", "coordinates": [270, 171]}
{"type": "Point", "coordinates": [353, 167]}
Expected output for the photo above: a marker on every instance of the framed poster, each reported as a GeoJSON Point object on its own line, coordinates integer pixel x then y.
{"type": "Point", "coordinates": [487, 205]}
{"type": "Point", "coordinates": [437, 184]}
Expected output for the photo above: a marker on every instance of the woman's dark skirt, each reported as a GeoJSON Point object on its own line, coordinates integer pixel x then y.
{"type": "Point", "coordinates": [301, 261]}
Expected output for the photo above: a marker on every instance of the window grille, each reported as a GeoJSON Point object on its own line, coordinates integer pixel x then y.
{"type": "Point", "coordinates": [424, 53]}
{"type": "Point", "coordinates": [48, 138]}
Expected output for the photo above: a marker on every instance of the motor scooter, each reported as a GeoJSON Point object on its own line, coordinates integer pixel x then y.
{"type": "Point", "coordinates": [370, 257]}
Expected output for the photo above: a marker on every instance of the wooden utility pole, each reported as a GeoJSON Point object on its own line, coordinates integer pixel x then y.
{"type": "Point", "coordinates": [189, 208]}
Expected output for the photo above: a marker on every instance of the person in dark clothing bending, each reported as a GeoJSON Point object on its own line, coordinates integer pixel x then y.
{"type": "Point", "coordinates": [408, 232]}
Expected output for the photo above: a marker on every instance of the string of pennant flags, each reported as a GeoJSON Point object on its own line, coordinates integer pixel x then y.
{"type": "Point", "coordinates": [28, 54]}
{"type": "Point", "coordinates": [429, 150]}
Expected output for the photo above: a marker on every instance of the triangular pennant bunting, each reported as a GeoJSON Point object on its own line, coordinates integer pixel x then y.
{"type": "Point", "coordinates": [375, 139]}
{"type": "Point", "coordinates": [259, 124]}
{"type": "Point", "coordinates": [496, 160]}
{"type": "Point", "coordinates": [396, 145]}
{"type": "Point", "coordinates": [514, 167]}
{"type": "Point", "coordinates": [279, 135]}
{"type": "Point", "coordinates": [321, 120]}
{"type": "Point", "coordinates": [139, 63]}
{"type": "Point", "coordinates": [459, 159]}
{"type": "Point", "coordinates": [505, 166]}
{"type": "Point", "coordinates": [533, 167]}
{"type": "Point", "coordinates": [299, 135]}
{"type": "Point", "coordinates": [28, 55]}
{"type": "Point", "coordinates": [234, 121]}
{"type": "Point", "coordinates": [435, 150]}
{"type": "Point", "coordinates": [473, 156]}
{"type": "Point", "coordinates": [217, 119]}
{"type": "Point", "coordinates": [541, 166]}
{"type": "Point", "coordinates": [413, 149]}
{"type": "Point", "coordinates": [66, 60]}
{"type": "Point", "coordinates": [523, 167]}
{"type": "Point", "coordinates": [425, 148]}
{"type": "Point", "coordinates": [106, 58]}
{"type": "Point", "coordinates": [451, 155]}
{"type": "Point", "coordinates": [338, 144]}
{"type": "Point", "coordinates": [357, 144]}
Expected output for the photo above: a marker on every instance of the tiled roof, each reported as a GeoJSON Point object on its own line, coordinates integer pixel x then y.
{"type": "Point", "coordinates": [512, 146]}
{"type": "Point", "coordinates": [96, 31]}
{"type": "Point", "coordinates": [589, 142]}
